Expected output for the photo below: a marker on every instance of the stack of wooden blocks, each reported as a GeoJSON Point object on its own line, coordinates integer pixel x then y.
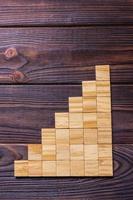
{"type": "Point", "coordinates": [81, 142]}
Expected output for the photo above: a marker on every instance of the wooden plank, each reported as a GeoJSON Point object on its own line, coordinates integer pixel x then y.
{"type": "Point", "coordinates": [81, 188]}
{"type": "Point", "coordinates": [68, 12]}
{"type": "Point", "coordinates": [65, 54]}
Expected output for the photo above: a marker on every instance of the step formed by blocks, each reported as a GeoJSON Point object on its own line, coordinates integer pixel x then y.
{"type": "Point", "coordinates": [81, 142]}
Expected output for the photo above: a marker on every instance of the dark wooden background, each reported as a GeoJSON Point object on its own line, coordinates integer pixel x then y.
{"type": "Point", "coordinates": [58, 44]}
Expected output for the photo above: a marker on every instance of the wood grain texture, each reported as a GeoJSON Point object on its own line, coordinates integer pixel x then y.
{"type": "Point", "coordinates": [118, 187]}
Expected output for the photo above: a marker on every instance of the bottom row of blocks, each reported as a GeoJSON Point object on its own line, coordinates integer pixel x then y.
{"type": "Point", "coordinates": [102, 167]}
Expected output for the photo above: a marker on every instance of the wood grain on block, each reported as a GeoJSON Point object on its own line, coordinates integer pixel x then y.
{"type": "Point", "coordinates": [49, 152]}
{"type": "Point", "coordinates": [35, 168]}
{"type": "Point", "coordinates": [89, 88]}
{"type": "Point", "coordinates": [77, 168]}
{"type": "Point", "coordinates": [89, 104]}
{"type": "Point", "coordinates": [105, 151]}
{"type": "Point", "coordinates": [103, 104]}
{"type": "Point", "coordinates": [104, 135]}
{"type": "Point", "coordinates": [48, 136]}
{"type": "Point", "coordinates": [75, 104]}
{"type": "Point", "coordinates": [61, 120]}
{"type": "Point", "coordinates": [63, 168]}
{"type": "Point", "coordinates": [34, 152]}
{"type": "Point", "coordinates": [105, 167]}
{"type": "Point", "coordinates": [104, 120]}
{"type": "Point", "coordinates": [21, 168]}
{"type": "Point", "coordinates": [90, 136]}
{"type": "Point", "coordinates": [62, 136]}
{"type": "Point", "coordinates": [91, 152]}
{"type": "Point", "coordinates": [62, 152]}
{"type": "Point", "coordinates": [76, 136]}
{"type": "Point", "coordinates": [102, 73]}
{"type": "Point", "coordinates": [90, 120]}
{"type": "Point", "coordinates": [49, 168]}
{"type": "Point", "coordinates": [91, 167]}
{"type": "Point", "coordinates": [75, 120]}
{"type": "Point", "coordinates": [77, 152]}
{"type": "Point", "coordinates": [103, 88]}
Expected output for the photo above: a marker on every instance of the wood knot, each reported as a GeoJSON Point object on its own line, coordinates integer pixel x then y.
{"type": "Point", "coordinates": [17, 77]}
{"type": "Point", "coordinates": [11, 53]}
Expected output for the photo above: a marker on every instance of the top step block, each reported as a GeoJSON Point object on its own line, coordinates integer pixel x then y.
{"type": "Point", "coordinates": [102, 73]}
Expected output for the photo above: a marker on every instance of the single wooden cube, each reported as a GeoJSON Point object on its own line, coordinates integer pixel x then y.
{"type": "Point", "coordinates": [91, 152]}
{"type": "Point", "coordinates": [102, 72]}
{"type": "Point", "coordinates": [90, 120]}
{"type": "Point", "coordinates": [62, 136]}
{"type": "Point", "coordinates": [34, 152]}
{"type": "Point", "coordinates": [89, 104]}
{"type": "Point", "coordinates": [103, 104]}
{"type": "Point", "coordinates": [104, 136]}
{"type": "Point", "coordinates": [21, 168]}
{"type": "Point", "coordinates": [76, 136]}
{"type": "Point", "coordinates": [77, 152]}
{"type": "Point", "coordinates": [49, 168]}
{"type": "Point", "coordinates": [89, 88]}
{"type": "Point", "coordinates": [105, 151]}
{"type": "Point", "coordinates": [75, 120]}
{"type": "Point", "coordinates": [61, 120]}
{"type": "Point", "coordinates": [35, 168]}
{"type": "Point", "coordinates": [91, 168]}
{"type": "Point", "coordinates": [77, 168]}
{"type": "Point", "coordinates": [105, 167]}
{"type": "Point", "coordinates": [63, 152]}
{"type": "Point", "coordinates": [90, 136]}
{"type": "Point", "coordinates": [63, 168]}
{"type": "Point", "coordinates": [48, 136]}
{"type": "Point", "coordinates": [75, 104]}
{"type": "Point", "coordinates": [104, 120]}
{"type": "Point", "coordinates": [49, 152]}
{"type": "Point", "coordinates": [103, 89]}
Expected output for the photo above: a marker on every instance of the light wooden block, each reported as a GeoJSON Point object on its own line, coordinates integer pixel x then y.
{"type": "Point", "coordinates": [49, 168]}
{"type": "Point", "coordinates": [105, 167]}
{"type": "Point", "coordinates": [77, 168]}
{"type": "Point", "coordinates": [104, 136]}
{"type": "Point", "coordinates": [89, 88]}
{"type": "Point", "coordinates": [91, 152]}
{"type": "Point", "coordinates": [90, 136]}
{"type": "Point", "coordinates": [89, 104]}
{"type": "Point", "coordinates": [75, 104]}
{"type": "Point", "coordinates": [105, 151]}
{"type": "Point", "coordinates": [21, 168]}
{"type": "Point", "coordinates": [48, 136]}
{"type": "Point", "coordinates": [62, 136]}
{"type": "Point", "coordinates": [34, 152]}
{"type": "Point", "coordinates": [35, 168]}
{"type": "Point", "coordinates": [63, 152]}
{"type": "Point", "coordinates": [61, 120]}
{"type": "Point", "coordinates": [77, 152]}
{"type": "Point", "coordinates": [103, 104]}
{"type": "Point", "coordinates": [90, 120]}
{"type": "Point", "coordinates": [102, 72]}
{"type": "Point", "coordinates": [103, 88]}
{"type": "Point", "coordinates": [49, 152]}
{"type": "Point", "coordinates": [63, 168]}
{"type": "Point", "coordinates": [91, 168]}
{"type": "Point", "coordinates": [104, 120]}
{"type": "Point", "coordinates": [75, 120]}
{"type": "Point", "coordinates": [76, 136]}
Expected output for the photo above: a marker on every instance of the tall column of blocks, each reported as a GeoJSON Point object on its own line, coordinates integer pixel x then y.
{"type": "Point", "coordinates": [81, 142]}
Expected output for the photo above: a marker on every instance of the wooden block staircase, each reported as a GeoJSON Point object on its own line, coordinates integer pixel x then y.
{"type": "Point", "coordinates": [81, 142]}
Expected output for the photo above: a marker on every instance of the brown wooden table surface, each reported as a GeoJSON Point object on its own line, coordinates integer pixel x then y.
{"type": "Point", "coordinates": [58, 44]}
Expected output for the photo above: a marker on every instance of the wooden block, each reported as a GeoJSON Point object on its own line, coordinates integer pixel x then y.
{"type": "Point", "coordinates": [49, 152]}
{"type": "Point", "coordinates": [104, 120]}
{"type": "Point", "coordinates": [90, 120]}
{"type": "Point", "coordinates": [35, 168]}
{"type": "Point", "coordinates": [105, 167]}
{"type": "Point", "coordinates": [61, 120]}
{"type": "Point", "coordinates": [91, 167]}
{"type": "Point", "coordinates": [34, 152]}
{"type": "Point", "coordinates": [63, 152]}
{"type": "Point", "coordinates": [104, 136]}
{"type": "Point", "coordinates": [76, 136]}
{"type": "Point", "coordinates": [49, 168]}
{"type": "Point", "coordinates": [103, 104]}
{"type": "Point", "coordinates": [103, 89]}
{"type": "Point", "coordinates": [102, 72]}
{"type": "Point", "coordinates": [21, 168]}
{"type": "Point", "coordinates": [89, 88]}
{"type": "Point", "coordinates": [75, 104]}
{"type": "Point", "coordinates": [105, 151]}
{"type": "Point", "coordinates": [63, 168]}
{"type": "Point", "coordinates": [89, 104]}
{"type": "Point", "coordinates": [77, 152]}
{"type": "Point", "coordinates": [77, 168]}
{"type": "Point", "coordinates": [62, 136]}
{"type": "Point", "coordinates": [75, 120]}
{"type": "Point", "coordinates": [48, 136]}
{"type": "Point", "coordinates": [90, 136]}
{"type": "Point", "coordinates": [91, 152]}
